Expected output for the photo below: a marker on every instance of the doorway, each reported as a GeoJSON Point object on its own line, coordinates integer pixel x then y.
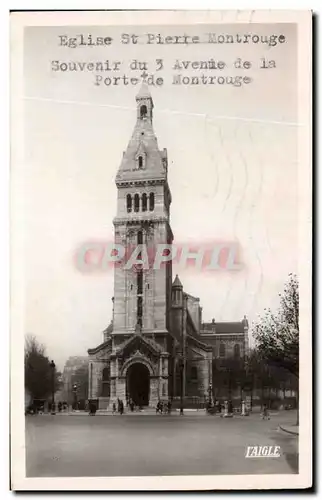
{"type": "Point", "coordinates": [138, 384]}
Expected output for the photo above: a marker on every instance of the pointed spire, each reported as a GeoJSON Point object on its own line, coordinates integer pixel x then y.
{"type": "Point", "coordinates": [177, 283]}
{"type": "Point", "coordinates": [245, 322]}
{"type": "Point", "coordinates": [144, 92]}
{"type": "Point", "coordinates": [143, 143]}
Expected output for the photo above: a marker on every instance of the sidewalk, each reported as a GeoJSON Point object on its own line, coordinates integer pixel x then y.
{"type": "Point", "coordinates": [150, 411]}
{"type": "Point", "coordinates": [290, 429]}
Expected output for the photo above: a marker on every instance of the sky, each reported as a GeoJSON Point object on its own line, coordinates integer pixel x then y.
{"type": "Point", "coordinates": [233, 171]}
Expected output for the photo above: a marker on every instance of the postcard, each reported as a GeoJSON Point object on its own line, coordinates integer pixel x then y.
{"type": "Point", "coordinates": [161, 222]}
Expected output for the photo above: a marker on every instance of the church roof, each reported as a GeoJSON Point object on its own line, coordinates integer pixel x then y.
{"type": "Point", "coordinates": [194, 341]}
{"type": "Point", "coordinates": [100, 347]}
{"type": "Point", "coordinates": [145, 340]}
{"type": "Point", "coordinates": [108, 329]}
{"type": "Point", "coordinates": [143, 139]}
{"type": "Point", "coordinates": [177, 283]}
{"type": "Point", "coordinates": [223, 327]}
{"type": "Point", "coordinates": [144, 92]}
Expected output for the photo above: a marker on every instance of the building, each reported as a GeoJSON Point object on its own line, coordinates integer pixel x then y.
{"type": "Point", "coordinates": [76, 367]}
{"type": "Point", "coordinates": [156, 344]}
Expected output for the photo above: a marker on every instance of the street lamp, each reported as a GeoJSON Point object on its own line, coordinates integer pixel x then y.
{"type": "Point", "coordinates": [53, 367]}
{"type": "Point", "coordinates": [181, 368]}
{"type": "Point", "coordinates": [75, 396]}
{"type": "Point", "coordinates": [210, 394]}
{"type": "Point", "coordinates": [229, 383]}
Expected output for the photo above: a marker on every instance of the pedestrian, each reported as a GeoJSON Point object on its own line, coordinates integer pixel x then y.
{"type": "Point", "coordinates": [114, 409]}
{"type": "Point", "coordinates": [169, 407]}
{"type": "Point", "coordinates": [265, 414]}
{"type": "Point", "coordinates": [121, 407]}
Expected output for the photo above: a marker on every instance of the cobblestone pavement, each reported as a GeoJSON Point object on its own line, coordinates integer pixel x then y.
{"type": "Point", "coordinates": [136, 445]}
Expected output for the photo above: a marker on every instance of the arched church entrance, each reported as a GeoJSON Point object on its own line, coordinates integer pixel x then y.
{"type": "Point", "coordinates": [138, 384]}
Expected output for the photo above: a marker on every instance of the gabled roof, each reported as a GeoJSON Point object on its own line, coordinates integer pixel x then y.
{"type": "Point", "coordinates": [193, 341]}
{"type": "Point", "coordinates": [152, 346]}
{"type": "Point", "coordinates": [100, 347]}
{"type": "Point", "coordinates": [108, 329]}
{"type": "Point", "coordinates": [223, 327]}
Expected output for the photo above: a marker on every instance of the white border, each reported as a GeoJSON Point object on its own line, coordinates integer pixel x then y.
{"type": "Point", "coordinates": [175, 482]}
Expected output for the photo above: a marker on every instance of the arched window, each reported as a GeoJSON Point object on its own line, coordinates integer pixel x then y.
{"type": "Point", "coordinates": [106, 375]}
{"type": "Point", "coordinates": [140, 282]}
{"type": "Point", "coordinates": [140, 309]}
{"type": "Point", "coordinates": [140, 161]}
{"type": "Point", "coordinates": [194, 373]}
{"type": "Point", "coordinates": [106, 382]}
{"type": "Point", "coordinates": [140, 238]}
{"type": "Point", "coordinates": [143, 111]}
{"type": "Point", "coordinates": [129, 203]}
{"type": "Point", "coordinates": [151, 200]}
{"type": "Point", "coordinates": [140, 242]}
{"type": "Point", "coordinates": [144, 202]}
{"type": "Point", "coordinates": [237, 351]}
{"type": "Point", "coordinates": [222, 350]}
{"type": "Point", "coordinates": [136, 203]}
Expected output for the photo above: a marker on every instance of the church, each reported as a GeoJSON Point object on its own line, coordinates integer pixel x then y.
{"type": "Point", "coordinates": [157, 345]}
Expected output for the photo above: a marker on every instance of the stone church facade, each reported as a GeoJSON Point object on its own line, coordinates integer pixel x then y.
{"type": "Point", "coordinates": [156, 345]}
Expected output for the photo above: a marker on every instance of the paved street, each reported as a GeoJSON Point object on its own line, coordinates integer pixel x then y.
{"type": "Point", "coordinates": [136, 445]}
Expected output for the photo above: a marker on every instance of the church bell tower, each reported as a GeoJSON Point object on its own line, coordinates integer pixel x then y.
{"type": "Point", "coordinates": [142, 293]}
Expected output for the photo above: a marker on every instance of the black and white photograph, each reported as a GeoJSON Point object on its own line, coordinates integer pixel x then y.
{"type": "Point", "coordinates": [161, 260]}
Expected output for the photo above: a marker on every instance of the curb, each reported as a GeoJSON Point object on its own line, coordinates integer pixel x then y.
{"type": "Point", "coordinates": [287, 431]}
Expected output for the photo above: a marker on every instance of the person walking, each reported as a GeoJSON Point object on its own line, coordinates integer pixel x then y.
{"type": "Point", "coordinates": [121, 407]}
{"type": "Point", "coordinates": [265, 414]}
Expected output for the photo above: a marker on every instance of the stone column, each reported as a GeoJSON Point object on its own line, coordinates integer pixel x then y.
{"type": "Point", "coordinates": [166, 366]}
{"type": "Point", "coordinates": [120, 389]}
{"type": "Point", "coordinates": [160, 378]}
{"type": "Point", "coordinates": [112, 369]}
{"type": "Point", "coordinates": [90, 376]}
{"type": "Point", "coordinates": [120, 382]}
{"type": "Point", "coordinates": [165, 373]}
{"type": "Point", "coordinates": [210, 370]}
{"type": "Point", "coordinates": [154, 391]}
{"type": "Point", "coordinates": [165, 389]}
{"type": "Point", "coordinates": [95, 380]}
